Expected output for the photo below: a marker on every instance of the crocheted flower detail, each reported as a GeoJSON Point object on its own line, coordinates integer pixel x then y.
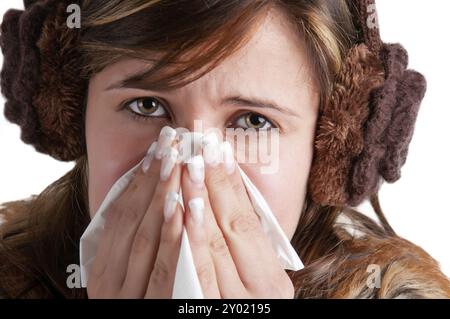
{"type": "Point", "coordinates": [390, 126]}
{"type": "Point", "coordinates": [40, 80]}
{"type": "Point", "coordinates": [340, 134]}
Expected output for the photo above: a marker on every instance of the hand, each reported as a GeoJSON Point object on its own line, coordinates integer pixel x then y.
{"type": "Point", "coordinates": [233, 256]}
{"type": "Point", "coordinates": [138, 248]}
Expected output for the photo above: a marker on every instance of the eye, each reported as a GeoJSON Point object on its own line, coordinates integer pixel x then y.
{"type": "Point", "coordinates": [147, 107]}
{"type": "Point", "coordinates": [254, 121]}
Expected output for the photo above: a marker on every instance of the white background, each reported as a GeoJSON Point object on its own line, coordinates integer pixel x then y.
{"type": "Point", "coordinates": [415, 205]}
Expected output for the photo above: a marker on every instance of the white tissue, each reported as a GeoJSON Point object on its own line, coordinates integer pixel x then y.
{"type": "Point", "coordinates": [186, 284]}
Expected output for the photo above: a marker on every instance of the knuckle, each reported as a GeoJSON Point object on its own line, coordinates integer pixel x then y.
{"type": "Point", "coordinates": [133, 186]}
{"type": "Point", "coordinates": [141, 179]}
{"type": "Point", "coordinates": [160, 274]}
{"type": "Point", "coordinates": [118, 210]}
{"type": "Point", "coordinates": [110, 221]}
{"type": "Point", "coordinates": [131, 214]}
{"type": "Point", "coordinates": [205, 275]}
{"type": "Point", "coordinates": [237, 186]}
{"type": "Point", "coordinates": [114, 211]}
{"type": "Point", "coordinates": [198, 239]}
{"type": "Point", "coordinates": [152, 174]}
{"type": "Point", "coordinates": [218, 245]}
{"type": "Point", "coordinates": [158, 196]}
{"type": "Point", "coordinates": [169, 236]}
{"type": "Point", "coordinates": [142, 241]}
{"type": "Point", "coordinates": [217, 178]}
{"type": "Point", "coordinates": [243, 223]}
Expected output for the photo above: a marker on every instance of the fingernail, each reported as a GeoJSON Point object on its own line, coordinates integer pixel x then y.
{"type": "Point", "coordinates": [170, 205]}
{"type": "Point", "coordinates": [211, 137]}
{"type": "Point", "coordinates": [211, 150]}
{"type": "Point", "coordinates": [228, 157]}
{"type": "Point", "coordinates": [190, 145]}
{"type": "Point", "coordinates": [196, 169]}
{"type": "Point", "coordinates": [166, 138]}
{"type": "Point", "coordinates": [169, 159]}
{"type": "Point", "coordinates": [197, 208]}
{"type": "Point", "coordinates": [149, 157]}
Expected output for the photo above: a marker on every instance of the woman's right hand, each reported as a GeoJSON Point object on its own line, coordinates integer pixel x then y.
{"type": "Point", "coordinates": [139, 246]}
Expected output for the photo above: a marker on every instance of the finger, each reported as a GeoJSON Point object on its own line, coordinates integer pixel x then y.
{"type": "Point", "coordinates": [239, 223]}
{"type": "Point", "coordinates": [146, 240]}
{"type": "Point", "coordinates": [133, 204]}
{"type": "Point", "coordinates": [198, 241]}
{"type": "Point", "coordinates": [114, 215]}
{"type": "Point", "coordinates": [106, 237]}
{"type": "Point", "coordinates": [162, 275]}
{"type": "Point", "coordinates": [228, 281]}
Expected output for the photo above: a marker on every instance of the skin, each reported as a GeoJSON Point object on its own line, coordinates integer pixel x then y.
{"type": "Point", "coordinates": [138, 245]}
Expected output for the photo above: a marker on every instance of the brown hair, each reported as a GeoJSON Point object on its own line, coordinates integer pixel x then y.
{"type": "Point", "coordinates": [219, 29]}
{"type": "Point", "coordinates": [41, 236]}
{"type": "Point", "coordinates": [38, 243]}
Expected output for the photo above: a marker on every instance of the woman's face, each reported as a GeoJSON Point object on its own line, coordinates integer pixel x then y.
{"type": "Point", "coordinates": [271, 68]}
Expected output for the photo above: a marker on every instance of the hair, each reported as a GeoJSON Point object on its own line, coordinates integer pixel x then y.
{"type": "Point", "coordinates": [42, 238]}
{"type": "Point", "coordinates": [111, 32]}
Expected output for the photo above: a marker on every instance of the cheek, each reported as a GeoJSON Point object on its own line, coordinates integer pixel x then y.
{"type": "Point", "coordinates": [285, 189]}
{"type": "Point", "coordinates": [114, 146]}
{"type": "Point", "coordinates": [108, 159]}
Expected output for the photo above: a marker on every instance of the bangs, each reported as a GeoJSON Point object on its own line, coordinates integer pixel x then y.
{"type": "Point", "coordinates": [182, 40]}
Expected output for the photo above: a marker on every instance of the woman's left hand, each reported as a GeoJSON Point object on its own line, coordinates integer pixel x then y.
{"type": "Point", "coordinates": [233, 256]}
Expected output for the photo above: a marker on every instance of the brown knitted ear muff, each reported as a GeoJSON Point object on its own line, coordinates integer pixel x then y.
{"type": "Point", "coordinates": [40, 78]}
{"type": "Point", "coordinates": [362, 136]}
{"type": "Point", "coordinates": [364, 132]}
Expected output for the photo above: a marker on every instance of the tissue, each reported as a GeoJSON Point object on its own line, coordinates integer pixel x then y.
{"type": "Point", "coordinates": [186, 284]}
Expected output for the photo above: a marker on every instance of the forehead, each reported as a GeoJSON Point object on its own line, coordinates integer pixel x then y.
{"type": "Point", "coordinates": [274, 59]}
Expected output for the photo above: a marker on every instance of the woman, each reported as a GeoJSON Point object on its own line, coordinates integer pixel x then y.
{"type": "Point", "coordinates": [343, 102]}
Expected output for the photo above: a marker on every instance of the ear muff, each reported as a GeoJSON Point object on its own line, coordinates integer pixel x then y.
{"type": "Point", "coordinates": [364, 132]}
{"type": "Point", "coordinates": [61, 85]}
{"type": "Point", "coordinates": [20, 76]}
{"type": "Point", "coordinates": [29, 3]}
{"type": "Point", "coordinates": [340, 128]}
{"type": "Point", "coordinates": [40, 75]}
{"type": "Point", "coordinates": [390, 127]}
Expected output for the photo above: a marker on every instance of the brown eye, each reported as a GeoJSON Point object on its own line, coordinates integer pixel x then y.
{"type": "Point", "coordinates": [254, 121]}
{"type": "Point", "coordinates": [148, 106]}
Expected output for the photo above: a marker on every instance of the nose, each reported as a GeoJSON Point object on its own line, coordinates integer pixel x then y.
{"type": "Point", "coordinates": [200, 121]}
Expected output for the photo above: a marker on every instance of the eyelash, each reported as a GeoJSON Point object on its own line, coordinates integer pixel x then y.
{"type": "Point", "coordinates": [139, 117]}
{"type": "Point", "coordinates": [126, 106]}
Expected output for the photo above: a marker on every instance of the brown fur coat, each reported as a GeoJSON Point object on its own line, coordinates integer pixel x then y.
{"type": "Point", "coordinates": [405, 270]}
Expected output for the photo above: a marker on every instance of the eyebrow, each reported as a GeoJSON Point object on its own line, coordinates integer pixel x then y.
{"type": "Point", "coordinates": [137, 80]}
{"type": "Point", "coordinates": [258, 103]}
